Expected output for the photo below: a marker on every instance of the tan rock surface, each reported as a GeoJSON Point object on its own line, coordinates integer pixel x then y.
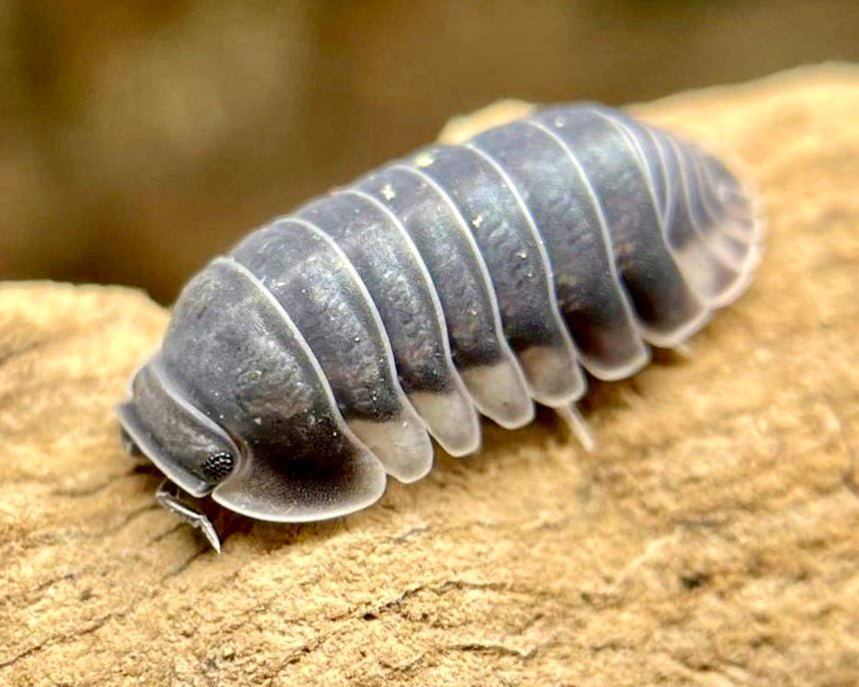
{"type": "Point", "coordinates": [713, 538]}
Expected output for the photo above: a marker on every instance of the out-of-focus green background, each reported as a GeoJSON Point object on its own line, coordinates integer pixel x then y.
{"type": "Point", "coordinates": [138, 139]}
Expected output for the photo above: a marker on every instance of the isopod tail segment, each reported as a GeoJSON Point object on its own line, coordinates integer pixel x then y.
{"type": "Point", "coordinates": [333, 347]}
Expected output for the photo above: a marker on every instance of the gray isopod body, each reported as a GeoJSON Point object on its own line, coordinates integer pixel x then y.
{"type": "Point", "coordinates": [326, 349]}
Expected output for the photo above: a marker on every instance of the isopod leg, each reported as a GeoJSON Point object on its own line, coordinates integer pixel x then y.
{"type": "Point", "coordinates": [169, 500]}
{"type": "Point", "coordinates": [684, 349]}
{"type": "Point", "coordinates": [578, 425]}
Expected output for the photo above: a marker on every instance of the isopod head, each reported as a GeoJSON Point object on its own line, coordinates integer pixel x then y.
{"type": "Point", "coordinates": [191, 450]}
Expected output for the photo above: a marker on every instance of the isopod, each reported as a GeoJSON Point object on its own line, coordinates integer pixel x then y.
{"type": "Point", "coordinates": [329, 346]}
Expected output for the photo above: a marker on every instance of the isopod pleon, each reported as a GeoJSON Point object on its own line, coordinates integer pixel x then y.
{"type": "Point", "coordinates": [331, 346]}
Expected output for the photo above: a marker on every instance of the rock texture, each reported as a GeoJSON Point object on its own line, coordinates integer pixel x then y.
{"type": "Point", "coordinates": [713, 538]}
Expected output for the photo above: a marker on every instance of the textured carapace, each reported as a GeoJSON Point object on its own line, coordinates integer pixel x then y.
{"type": "Point", "coordinates": [327, 348]}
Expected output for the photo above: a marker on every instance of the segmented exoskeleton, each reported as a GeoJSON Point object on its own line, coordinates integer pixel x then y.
{"type": "Point", "coordinates": [322, 353]}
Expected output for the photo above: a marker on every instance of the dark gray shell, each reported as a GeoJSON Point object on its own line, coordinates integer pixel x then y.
{"type": "Point", "coordinates": [322, 353]}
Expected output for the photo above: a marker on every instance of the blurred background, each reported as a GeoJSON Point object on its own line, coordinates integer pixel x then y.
{"type": "Point", "coordinates": [138, 139]}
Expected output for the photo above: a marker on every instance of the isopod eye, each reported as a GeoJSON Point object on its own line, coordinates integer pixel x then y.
{"type": "Point", "coordinates": [217, 467]}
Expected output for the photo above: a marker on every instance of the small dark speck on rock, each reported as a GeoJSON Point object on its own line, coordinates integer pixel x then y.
{"type": "Point", "coordinates": [694, 580]}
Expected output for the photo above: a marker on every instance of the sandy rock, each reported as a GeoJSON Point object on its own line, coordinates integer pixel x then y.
{"type": "Point", "coordinates": [712, 539]}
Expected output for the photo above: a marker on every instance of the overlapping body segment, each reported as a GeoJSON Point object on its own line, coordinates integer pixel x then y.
{"type": "Point", "coordinates": [331, 344]}
{"type": "Point", "coordinates": [571, 222]}
{"type": "Point", "coordinates": [315, 283]}
{"type": "Point", "coordinates": [461, 279]}
{"type": "Point", "coordinates": [237, 356]}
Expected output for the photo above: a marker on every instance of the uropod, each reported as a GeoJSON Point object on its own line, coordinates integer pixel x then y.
{"type": "Point", "coordinates": [332, 346]}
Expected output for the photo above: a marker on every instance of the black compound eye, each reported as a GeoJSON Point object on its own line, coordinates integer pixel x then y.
{"type": "Point", "coordinates": [217, 466]}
